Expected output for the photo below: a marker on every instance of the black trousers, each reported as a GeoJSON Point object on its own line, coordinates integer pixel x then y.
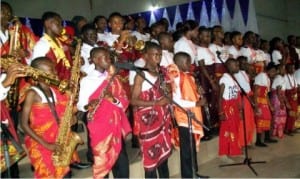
{"type": "Point", "coordinates": [162, 169]}
{"type": "Point", "coordinates": [14, 172]}
{"type": "Point", "coordinates": [185, 153]}
{"type": "Point", "coordinates": [121, 167]}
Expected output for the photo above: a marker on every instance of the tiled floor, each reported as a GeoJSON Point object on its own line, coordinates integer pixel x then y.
{"type": "Point", "coordinates": [282, 161]}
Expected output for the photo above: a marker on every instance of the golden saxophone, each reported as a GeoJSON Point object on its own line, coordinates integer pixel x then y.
{"type": "Point", "coordinates": [14, 45]}
{"type": "Point", "coordinates": [67, 139]}
{"type": "Point", "coordinates": [112, 72]}
{"type": "Point", "coordinates": [34, 73]}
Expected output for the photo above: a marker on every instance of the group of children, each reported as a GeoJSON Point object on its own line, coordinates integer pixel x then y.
{"type": "Point", "coordinates": [239, 83]}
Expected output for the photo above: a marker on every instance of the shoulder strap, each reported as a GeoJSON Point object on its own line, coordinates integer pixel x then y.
{"type": "Point", "coordinates": [51, 104]}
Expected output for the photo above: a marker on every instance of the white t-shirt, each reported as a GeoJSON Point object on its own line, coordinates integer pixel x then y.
{"type": "Point", "coordinates": [41, 48]}
{"type": "Point", "coordinates": [250, 53]}
{"type": "Point", "coordinates": [100, 36]}
{"type": "Point", "coordinates": [85, 54]}
{"type": "Point", "coordinates": [267, 57]}
{"type": "Point", "coordinates": [234, 52]}
{"type": "Point", "coordinates": [167, 58]}
{"type": "Point", "coordinates": [3, 91]}
{"type": "Point", "coordinates": [243, 80]}
{"type": "Point", "coordinates": [4, 36]}
{"type": "Point", "coordinates": [110, 38]}
{"type": "Point", "coordinates": [262, 79]}
{"type": "Point", "coordinates": [231, 89]}
{"type": "Point", "coordinates": [205, 54]}
{"type": "Point", "coordinates": [297, 76]}
{"type": "Point", "coordinates": [139, 63]}
{"type": "Point", "coordinates": [290, 81]}
{"type": "Point", "coordinates": [146, 85]}
{"type": "Point", "coordinates": [278, 81]}
{"type": "Point", "coordinates": [260, 56]}
{"type": "Point", "coordinates": [276, 57]}
{"type": "Point", "coordinates": [88, 85]}
{"type": "Point", "coordinates": [215, 49]}
{"type": "Point", "coordinates": [185, 45]}
{"type": "Point", "coordinates": [139, 36]}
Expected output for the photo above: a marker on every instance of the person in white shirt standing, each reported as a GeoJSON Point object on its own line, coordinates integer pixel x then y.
{"type": "Point", "coordinates": [279, 102]}
{"type": "Point", "coordinates": [205, 59]}
{"type": "Point", "coordinates": [219, 50]}
{"type": "Point", "coordinates": [185, 43]}
{"type": "Point", "coordinates": [100, 23]}
{"type": "Point", "coordinates": [237, 41]}
{"type": "Point", "coordinates": [166, 42]}
{"type": "Point", "coordinates": [291, 95]}
{"type": "Point", "coordinates": [277, 51]}
{"type": "Point", "coordinates": [140, 33]}
{"type": "Point", "coordinates": [89, 37]}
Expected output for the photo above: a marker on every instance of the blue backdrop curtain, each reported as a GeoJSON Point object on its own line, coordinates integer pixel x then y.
{"type": "Point", "coordinates": [213, 12]}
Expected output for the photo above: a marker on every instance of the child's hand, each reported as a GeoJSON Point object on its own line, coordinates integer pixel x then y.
{"type": "Point", "coordinates": [162, 102]}
{"type": "Point", "coordinates": [52, 147]}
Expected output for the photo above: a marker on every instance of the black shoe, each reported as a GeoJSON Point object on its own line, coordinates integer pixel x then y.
{"type": "Point", "coordinates": [271, 141]}
{"type": "Point", "coordinates": [201, 176]}
{"type": "Point", "coordinates": [260, 144]}
{"type": "Point", "coordinates": [79, 165]}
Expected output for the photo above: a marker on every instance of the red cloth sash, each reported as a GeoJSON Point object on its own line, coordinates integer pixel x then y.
{"type": "Point", "coordinates": [106, 129]}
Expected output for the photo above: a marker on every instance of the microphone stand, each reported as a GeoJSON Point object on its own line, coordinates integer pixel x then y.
{"type": "Point", "coordinates": [7, 136]}
{"type": "Point", "coordinates": [247, 161]}
{"type": "Point", "coordinates": [191, 116]}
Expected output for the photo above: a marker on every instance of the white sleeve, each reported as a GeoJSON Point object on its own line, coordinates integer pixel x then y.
{"type": "Point", "coordinates": [260, 80]}
{"type": "Point", "coordinates": [131, 77]}
{"type": "Point", "coordinates": [200, 55]}
{"type": "Point", "coordinates": [83, 97]}
{"type": "Point", "coordinates": [276, 57]}
{"type": "Point", "coordinates": [3, 90]}
{"type": "Point", "coordinates": [40, 49]}
{"type": "Point", "coordinates": [178, 99]}
{"type": "Point", "coordinates": [179, 46]}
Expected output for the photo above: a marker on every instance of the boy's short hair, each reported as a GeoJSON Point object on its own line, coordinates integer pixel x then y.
{"type": "Point", "coordinates": [163, 35]}
{"type": "Point", "coordinates": [234, 34]}
{"type": "Point", "coordinates": [49, 15]}
{"type": "Point", "coordinates": [115, 14]}
{"type": "Point", "coordinates": [229, 61]}
{"type": "Point", "coordinates": [96, 50]}
{"type": "Point", "coordinates": [87, 27]}
{"type": "Point", "coordinates": [151, 45]}
{"type": "Point", "coordinates": [180, 55]}
{"type": "Point", "coordinates": [35, 63]}
{"type": "Point", "coordinates": [97, 18]}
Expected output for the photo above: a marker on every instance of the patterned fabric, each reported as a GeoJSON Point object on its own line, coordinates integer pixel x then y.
{"type": "Point", "coordinates": [154, 129]}
{"type": "Point", "coordinates": [106, 129]}
{"type": "Point", "coordinates": [292, 98]}
{"type": "Point", "coordinates": [26, 40]}
{"type": "Point", "coordinates": [229, 128]}
{"type": "Point", "coordinates": [279, 114]}
{"type": "Point", "coordinates": [62, 66]}
{"type": "Point", "coordinates": [43, 123]}
{"type": "Point", "coordinates": [249, 122]}
{"type": "Point", "coordinates": [263, 117]}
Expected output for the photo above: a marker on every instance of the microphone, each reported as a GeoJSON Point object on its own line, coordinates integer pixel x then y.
{"type": "Point", "coordinates": [129, 66]}
{"type": "Point", "coordinates": [218, 52]}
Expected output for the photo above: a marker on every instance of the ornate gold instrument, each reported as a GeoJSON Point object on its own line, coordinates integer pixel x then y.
{"type": "Point", "coordinates": [112, 72]}
{"type": "Point", "coordinates": [14, 45]}
{"type": "Point", "coordinates": [67, 139]}
{"type": "Point", "coordinates": [36, 74]}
